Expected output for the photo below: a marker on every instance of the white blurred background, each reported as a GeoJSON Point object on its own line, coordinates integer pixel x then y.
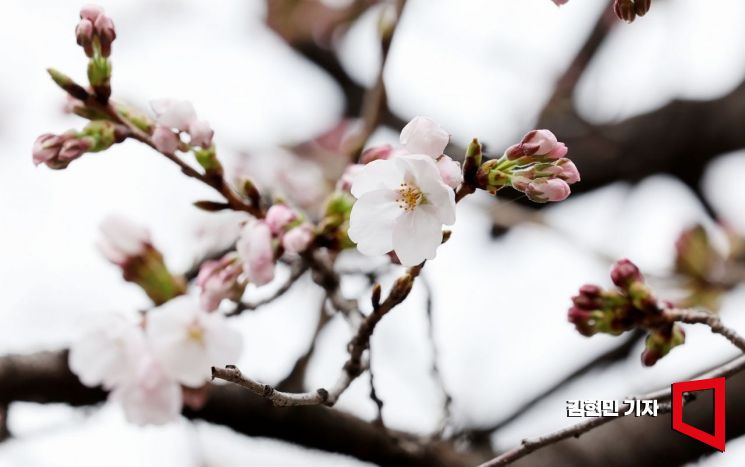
{"type": "Point", "coordinates": [481, 68]}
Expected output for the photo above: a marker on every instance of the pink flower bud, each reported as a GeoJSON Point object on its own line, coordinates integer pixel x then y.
{"type": "Point", "coordinates": [165, 140]}
{"type": "Point", "coordinates": [91, 12]}
{"type": "Point", "coordinates": [201, 133]}
{"type": "Point", "coordinates": [257, 252]}
{"type": "Point", "coordinates": [450, 171]}
{"type": "Point", "coordinates": [377, 153]}
{"type": "Point", "coordinates": [560, 2]}
{"type": "Point", "coordinates": [423, 136]}
{"type": "Point", "coordinates": [569, 172]}
{"type": "Point", "coordinates": [172, 113]}
{"type": "Point", "coordinates": [624, 272]}
{"type": "Point", "coordinates": [516, 151]}
{"type": "Point", "coordinates": [219, 280]}
{"type": "Point", "coordinates": [84, 35]}
{"type": "Point", "coordinates": [106, 33]}
{"type": "Point", "coordinates": [46, 147]}
{"type": "Point", "coordinates": [545, 140]}
{"type": "Point", "coordinates": [297, 240]}
{"type": "Point", "coordinates": [544, 190]}
{"type": "Point", "coordinates": [559, 151]}
{"type": "Point", "coordinates": [277, 218]}
{"type": "Point", "coordinates": [74, 148]}
{"type": "Point", "coordinates": [347, 178]}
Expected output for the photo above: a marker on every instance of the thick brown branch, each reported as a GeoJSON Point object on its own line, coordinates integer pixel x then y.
{"type": "Point", "coordinates": [45, 378]}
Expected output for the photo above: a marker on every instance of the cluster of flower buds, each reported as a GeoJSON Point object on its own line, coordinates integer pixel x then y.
{"type": "Point", "coordinates": [706, 271]}
{"type": "Point", "coordinates": [628, 10]}
{"type": "Point", "coordinates": [129, 246]}
{"type": "Point", "coordinates": [536, 166]}
{"type": "Point", "coordinates": [632, 305]}
{"type": "Point", "coordinates": [155, 366]}
{"type": "Point", "coordinates": [174, 118]}
{"type": "Point", "coordinates": [95, 33]}
{"type": "Point", "coordinates": [260, 244]}
{"type": "Point", "coordinates": [57, 151]}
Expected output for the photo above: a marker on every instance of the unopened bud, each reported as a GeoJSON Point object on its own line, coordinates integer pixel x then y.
{"type": "Point", "coordinates": [472, 161]}
{"type": "Point", "coordinates": [641, 7]}
{"type": "Point", "coordinates": [624, 272]}
{"type": "Point", "coordinates": [68, 85]}
{"type": "Point", "coordinates": [625, 10]}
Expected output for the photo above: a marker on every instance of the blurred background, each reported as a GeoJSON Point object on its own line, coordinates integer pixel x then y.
{"type": "Point", "coordinates": [481, 68]}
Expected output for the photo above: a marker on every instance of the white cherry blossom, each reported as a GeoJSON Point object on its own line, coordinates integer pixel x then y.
{"type": "Point", "coordinates": [108, 352]}
{"type": "Point", "coordinates": [150, 396]}
{"type": "Point", "coordinates": [401, 205]}
{"type": "Point", "coordinates": [422, 135]}
{"type": "Point", "coordinates": [188, 341]}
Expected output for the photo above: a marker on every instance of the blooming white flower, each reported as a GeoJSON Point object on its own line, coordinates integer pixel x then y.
{"type": "Point", "coordinates": [422, 135]}
{"type": "Point", "coordinates": [150, 396]}
{"type": "Point", "coordinates": [188, 341]}
{"type": "Point", "coordinates": [401, 205]}
{"type": "Point", "coordinates": [108, 352]}
{"type": "Point", "coordinates": [257, 252]}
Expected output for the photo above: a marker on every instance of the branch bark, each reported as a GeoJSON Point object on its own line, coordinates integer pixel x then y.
{"type": "Point", "coordinates": [45, 377]}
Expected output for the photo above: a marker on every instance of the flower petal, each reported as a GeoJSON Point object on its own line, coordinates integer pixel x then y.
{"type": "Point", "coordinates": [371, 222]}
{"type": "Point", "coordinates": [377, 175]}
{"type": "Point", "coordinates": [416, 236]}
{"type": "Point", "coordinates": [427, 177]}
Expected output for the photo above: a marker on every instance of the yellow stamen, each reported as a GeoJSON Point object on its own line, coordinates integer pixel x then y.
{"type": "Point", "coordinates": [409, 197]}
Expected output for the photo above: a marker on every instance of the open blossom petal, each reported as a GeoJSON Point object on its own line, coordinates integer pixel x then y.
{"type": "Point", "coordinates": [188, 341]}
{"type": "Point", "coordinates": [438, 195]}
{"type": "Point", "coordinates": [257, 252]}
{"type": "Point", "coordinates": [173, 113]}
{"type": "Point", "coordinates": [423, 135]}
{"type": "Point", "coordinates": [151, 397]}
{"type": "Point", "coordinates": [372, 220]}
{"type": "Point", "coordinates": [378, 174]}
{"type": "Point", "coordinates": [107, 353]}
{"type": "Point", "coordinates": [405, 212]}
{"type": "Point", "coordinates": [416, 236]}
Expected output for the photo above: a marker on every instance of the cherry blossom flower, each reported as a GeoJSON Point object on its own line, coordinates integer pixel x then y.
{"type": "Point", "coordinates": [107, 353]}
{"type": "Point", "coordinates": [188, 341]}
{"type": "Point", "coordinates": [298, 238]}
{"type": "Point", "coordinates": [401, 205]}
{"type": "Point", "coordinates": [257, 252]}
{"type": "Point", "coordinates": [219, 279]}
{"type": "Point", "coordinates": [277, 218]}
{"type": "Point", "coordinates": [172, 113]}
{"type": "Point", "coordinates": [165, 140]}
{"type": "Point", "coordinates": [150, 396]}
{"type": "Point", "coordinates": [422, 135]}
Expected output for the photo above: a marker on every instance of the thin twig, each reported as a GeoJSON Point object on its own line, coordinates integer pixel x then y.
{"type": "Point", "coordinates": [374, 394]}
{"type": "Point", "coordinates": [297, 270]}
{"type": "Point", "coordinates": [353, 367]}
{"type": "Point", "coordinates": [435, 368]}
{"type": "Point", "coordinates": [686, 316]}
{"type": "Point", "coordinates": [606, 358]}
{"type": "Point", "coordinates": [294, 380]}
{"type": "Point", "coordinates": [709, 319]}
